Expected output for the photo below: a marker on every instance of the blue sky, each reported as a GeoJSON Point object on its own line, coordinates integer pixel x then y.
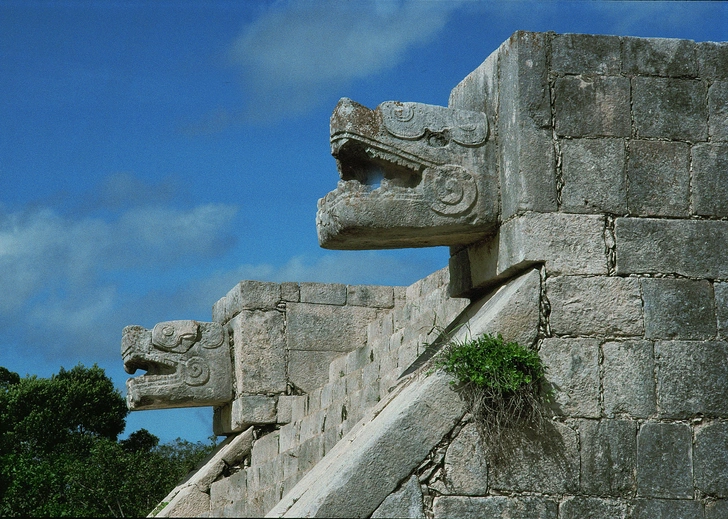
{"type": "Point", "coordinates": [154, 153]}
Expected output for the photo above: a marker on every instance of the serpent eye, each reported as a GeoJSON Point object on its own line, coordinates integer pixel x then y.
{"type": "Point", "coordinates": [438, 139]}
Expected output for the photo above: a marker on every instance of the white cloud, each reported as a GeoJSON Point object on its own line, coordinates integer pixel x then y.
{"type": "Point", "coordinates": [297, 50]}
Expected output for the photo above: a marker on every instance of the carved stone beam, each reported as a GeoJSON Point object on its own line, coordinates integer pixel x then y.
{"type": "Point", "coordinates": [412, 175]}
{"type": "Point", "coordinates": [187, 364]}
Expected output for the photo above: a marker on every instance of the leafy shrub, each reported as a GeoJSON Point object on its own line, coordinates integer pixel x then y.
{"type": "Point", "coordinates": [502, 383]}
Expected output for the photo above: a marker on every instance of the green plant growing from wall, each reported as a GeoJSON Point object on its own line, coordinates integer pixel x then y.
{"type": "Point", "coordinates": [502, 383]}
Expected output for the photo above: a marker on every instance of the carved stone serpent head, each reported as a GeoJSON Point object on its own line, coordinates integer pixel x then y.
{"type": "Point", "coordinates": [412, 175]}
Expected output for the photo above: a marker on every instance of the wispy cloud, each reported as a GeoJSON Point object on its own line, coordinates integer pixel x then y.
{"type": "Point", "coordinates": [297, 51]}
{"type": "Point", "coordinates": [67, 277]}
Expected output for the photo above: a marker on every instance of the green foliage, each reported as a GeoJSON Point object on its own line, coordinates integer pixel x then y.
{"type": "Point", "coordinates": [490, 362]}
{"type": "Point", "coordinates": [60, 454]}
{"type": "Point", "coordinates": [503, 383]}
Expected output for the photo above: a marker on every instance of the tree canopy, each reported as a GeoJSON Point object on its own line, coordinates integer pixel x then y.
{"type": "Point", "coordinates": [60, 454]}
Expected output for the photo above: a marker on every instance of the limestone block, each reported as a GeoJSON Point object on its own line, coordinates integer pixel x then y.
{"type": "Point", "coordinates": [446, 507]}
{"type": "Point", "coordinates": [594, 176]}
{"type": "Point", "coordinates": [265, 449]}
{"type": "Point", "coordinates": [572, 370]}
{"type": "Point", "coordinates": [601, 306]}
{"type": "Point", "coordinates": [478, 91]}
{"type": "Point", "coordinates": [284, 409]}
{"type": "Point", "coordinates": [608, 457]}
{"type": "Point", "coordinates": [692, 378]}
{"type": "Point", "coordinates": [659, 178]}
{"type": "Point", "coordinates": [251, 295]}
{"type": "Point", "coordinates": [592, 106]}
{"type": "Point", "coordinates": [664, 467]}
{"type": "Point", "coordinates": [259, 341]}
{"type": "Point", "coordinates": [466, 470]}
{"type": "Point", "coordinates": [405, 502]}
{"type": "Point", "coordinates": [228, 490]}
{"type": "Point", "coordinates": [308, 370]}
{"type": "Point", "coordinates": [189, 502]}
{"type": "Point", "coordinates": [323, 293]}
{"type": "Point", "coordinates": [288, 437]}
{"type": "Point", "coordinates": [512, 311]}
{"type": "Point", "coordinates": [667, 509]}
{"type": "Point", "coordinates": [585, 54]}
{"type": "Point", "coordinates": [716, 509]}
{"type": "Point", "coordinates": [721, 307]}
{"type": "Point", "coordinates": [527, 180]}
{"type": "Point", "coordinates": [712, 58]}
{"type": "Point", "coordinates": [324, 327]}
{"type": "Point", "coordinates": [337, 368]}
{"type": "Point", "coordinates": [718, 109]}
{"type": "Point", "coordinates": [243, 412]}
{"type": "Point", "coordinates": [593, 507]}
{"type": "Point", "coordinates": [290, 291]}
{"type": "Point", "coordinates": [271, 472]}
{"type": "Point", "coordinates": [289, 460]}
{"type": "Point", "coordinates": [659, 57]}
{"type": "Point", "coordinates": [670, 108]}
{"type": "Point", "coordinates": [710, 457]}
{"type": "Point", "coordinates": [375, 296]}
{"type": "Point", "coordinates": [567, 243]}
{"type": "Point", "coordinates": [710, 178]}
{"type": "Point", "coordinates": [310, 453]}
{"type": "Point", "coordinates": [678, 309]}
{"type": "Point", "coordinates": [628, 379]}
{"type": "Point", "coordinates": [545, 461]}
{"type": "Point", "coordinates": [187, 362]}
{"type": "Point", "coordinates": [357, 359]}
{"type": "Point", "coordinates": [684, 247]}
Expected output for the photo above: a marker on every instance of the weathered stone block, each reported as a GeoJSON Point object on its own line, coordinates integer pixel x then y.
{"type": "Point", "coordinates": [628, 378]}
{"type": "Point", "coordinates": [716, 509]}
{"type": "Point", "coordinates": [446, 507]}
{"type": "Point", "coordinates": [585, 54]}
{"type": "Point", "coordinates": [659, 57]}
{"type": "Point", "coordinates": [478, 91]}
{"type": "Point", "coordinates": [259, 344]}
{"type": "Point", "coordinates": [572, 369]}
{"type": "Point", "coordinates": [684, 247]}
{"type": "Point", "coordinates": [692, 378]}
{"type": "Point", "coordinates": [601, 306]}
{"type": "Point", "coordinates": [243, 412]}
{"type": "Point", "coordinates": [405, 502]}
{"type": "Point", "coordinates": [290, 292]}
{"type": "Point", "coordinates": [327, 327]}
{"type": "Point", "coordinates": [228, 490]}
{"type": "Point", "coordinates": [284, 409]}
{"type": "Point", "coordinates": [289, 437]}
{"type": "Point", "coordinates": [545, 461]}
{"type": "Point", "coordinates": [710, 178]}
{"type": "Point", "coordinates": [711, 459]}
{"type": "Point", "coordinates": [375, 296]}
{"type": "Point", "coordinates": [594, 176]}
{"type": "Point", "coordinates": [593, 507]}
{"type": "Point", "coordinates": [667, 509]}
{"type": "Point", "coordinates": [718, 109]}
{"type": "Point", "coordinates": [659, 178]}
{"type": "Point", "coordinates": [712, 58]}
{"type": "Point", "coordinates": [721, 307]}
{"type": "Point", "coordinates": [189, 502]}
{"type": "Point", "coordinates": [466, 470]}
{"type": "Point", "coordinates": [664, 467]}
{"type": "Point", "coordinates": [265, 449]}
{"type": "Point", "coordinates": [592, 106]}
{"type": "Point", "coordinates": [670, 108]}
{"type": "Point", "coordinates": [608, 456]}
{"type": "Point", "coordinates": [252, 295]}
{"type": "Point", "coordinates": [678, 309]}
{"type": "Point", "coordinates": [527, 157]}
{"type": "Point", "coordinates": [567, 243]}
{"type": "Point", "coordinates": [323, 293]}
{"type": "Point", "coordinates": [527, 180]}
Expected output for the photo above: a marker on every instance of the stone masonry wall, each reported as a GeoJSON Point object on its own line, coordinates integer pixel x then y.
{"type": "Point", "coordinates": [613, 161]}
{"type": "Point", "coordinates": [309, 425]}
